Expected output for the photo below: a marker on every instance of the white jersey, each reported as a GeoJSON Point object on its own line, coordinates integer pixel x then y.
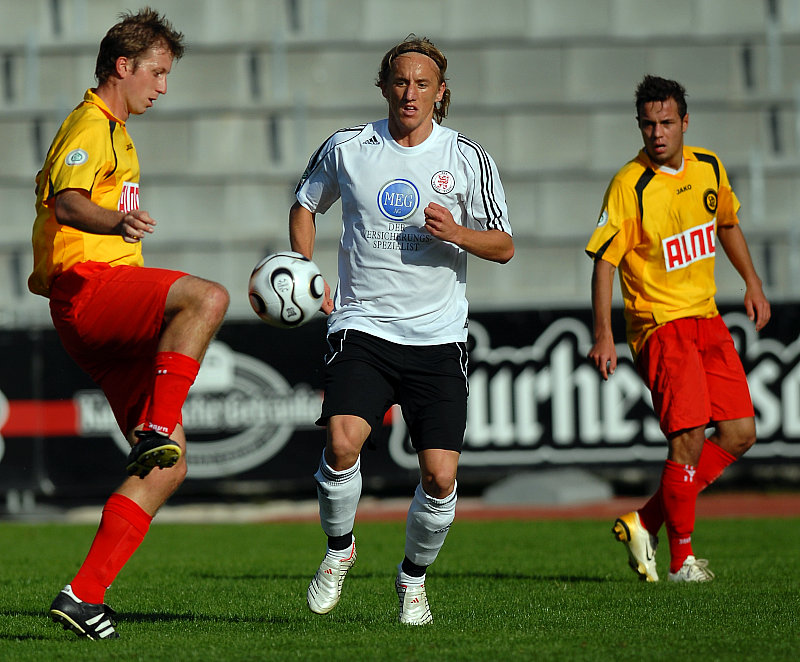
{"type": "Point", "coordinates": [397, 281]}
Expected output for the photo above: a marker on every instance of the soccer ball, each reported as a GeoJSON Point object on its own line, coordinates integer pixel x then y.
{"type": "Point", "coordinates": [286, 289]}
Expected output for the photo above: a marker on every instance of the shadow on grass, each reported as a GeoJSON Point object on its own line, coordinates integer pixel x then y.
{"type": "Point", "coordinates": [152, 617]}
{"type": "Point", "coordinates": [472, 574]}
{"type": "Point", "coordinates": [23, 637]}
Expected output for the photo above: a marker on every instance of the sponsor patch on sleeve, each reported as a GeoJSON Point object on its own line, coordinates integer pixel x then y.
{"type": "Point", "coordinates": [76, 157]}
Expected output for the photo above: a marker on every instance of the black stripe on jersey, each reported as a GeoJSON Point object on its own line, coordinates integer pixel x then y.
{"type": "Point", "coordinates": [494, 221]}
{"type": "Point", "coordinates": [112, 126]}
{"type": "Point", "coordinates": [319, 155]}
{"type": "Point", "coordinates": [602, 249]}
{"type": "Point", "coordinates": [644, 180]}
{"type": "Point", "coordinates": [707, 158]}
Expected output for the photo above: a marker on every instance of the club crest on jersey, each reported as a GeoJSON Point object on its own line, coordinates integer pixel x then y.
{"type": "Point", "coordinates": [129, 198]}
{"type": "Point", "coordinates": [710, 201]}
{"type": "Point", "coordinates": [443, 182]}
{"type": "Point", "coordinates": [689, 246]}
{"type": "Point", "coordinates": [76, 157]}
{"type": "Point", "coordinates": [398, 199]}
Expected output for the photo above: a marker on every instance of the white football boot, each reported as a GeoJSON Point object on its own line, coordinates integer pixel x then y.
{"type": "Point", "coordinates": [692, 570]}
{"type": "Point", "coordinates": [326, 586]}
{"type": "Point", "coordinates": [414, 608]}
{"type": "Point", "coordinates": [641, 545]}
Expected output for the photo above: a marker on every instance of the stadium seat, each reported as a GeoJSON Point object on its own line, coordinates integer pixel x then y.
{"type": "Point", "coordinates": [598, 74]}
{"type": "Point", "coordinates": [730, 17]}
{"type": "Point", "coordinates": [569, 19]}
{"type": "Point", "coordinates": [19, 154]}
{"type": "Point", "coordinates": [25, 22]}
{"type": "Point", "coordinates": [735, 139]}
{"type": "Point", "coordinates": [477, 19]}
{"type": "Point", "coordinates": [713, 72]}
{"type": "Point", "coordinates": [544, 79]}
{"type": "Point", "coordinates": [615, 138]}
{"type": "Point", "coordinates": [546, 87]}
{"type": "Point", "coordinates": [646, 19]}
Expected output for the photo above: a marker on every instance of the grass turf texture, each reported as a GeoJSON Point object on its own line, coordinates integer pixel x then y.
{"type": "Point", "coordinates": [503, 590]}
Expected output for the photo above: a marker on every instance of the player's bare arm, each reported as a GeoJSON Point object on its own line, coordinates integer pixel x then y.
{"type": "Point", "coordinates": [302, 234]}
{"type": "Point", "coordinates": [755, 301]}
{"type": "Point", "coordinates": [75, 209]}
{"type": "Point", "coordinates": [603, 353]}
{"type": "Point", "coordinates": [493, 245]}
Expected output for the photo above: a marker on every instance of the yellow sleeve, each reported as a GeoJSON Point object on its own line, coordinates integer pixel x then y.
{"type": "Point", "coordinates": [619, 226]}
{"type": "Point", "coordinates": [83, 157]}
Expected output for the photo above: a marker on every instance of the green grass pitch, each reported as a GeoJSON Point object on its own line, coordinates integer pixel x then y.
{"type": "Point", "coordinates": [500, 590]}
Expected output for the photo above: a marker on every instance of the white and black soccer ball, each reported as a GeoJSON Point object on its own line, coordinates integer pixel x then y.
{"type": "Point", "coordinates": [286, 289]}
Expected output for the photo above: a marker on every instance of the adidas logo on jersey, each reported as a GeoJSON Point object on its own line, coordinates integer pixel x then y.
{"type": "Point", "coordinates": [373, 140]}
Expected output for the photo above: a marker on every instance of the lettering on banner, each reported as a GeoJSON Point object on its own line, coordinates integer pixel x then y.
{"type": "Point", "coordinates": [538, 404]}
{"type": "Point", "coordinates": [544, 403]}
{"type": "Point", "coordinates": [243, 409]}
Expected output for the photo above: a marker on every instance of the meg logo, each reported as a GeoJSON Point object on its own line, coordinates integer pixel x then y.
{"type": "Point", "coordinates": [398, 199]}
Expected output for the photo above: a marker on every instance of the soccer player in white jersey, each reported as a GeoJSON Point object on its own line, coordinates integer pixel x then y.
{"type": "Point", "coordinates": [416, 199]}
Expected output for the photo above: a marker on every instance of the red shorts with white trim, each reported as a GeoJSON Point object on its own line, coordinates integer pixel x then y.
{"type": "Point", "coordinates": [109, 320]}
{"type": "Point", "coordinates": [694, 374]}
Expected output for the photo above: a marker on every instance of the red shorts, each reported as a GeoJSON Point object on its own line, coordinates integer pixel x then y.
{"type": "Point", "coordinates": [694, 374]}
{"type": "Point", "coordinates": [109, 321]}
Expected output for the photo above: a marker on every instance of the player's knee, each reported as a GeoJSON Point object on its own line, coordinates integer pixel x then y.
{"type": "Point", "coordinates": [204, 297]}
{"type": "Point", "coordinates": [438, 484]}
{"type": "Point", "coordinates": [346, 437]}
{"type": "Point", "coordinates": [214, 301]}
{"type": "Point", "coordinates": [342, 455]}
{"type": "Point", "coordinates": [744, 442]}
{"type": "Point", "coordinates": [739, 439]}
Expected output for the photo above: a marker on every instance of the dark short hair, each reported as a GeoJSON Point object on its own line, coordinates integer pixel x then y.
{"type": "Point", "coordinates": [132, 37]}
{"type": "Point", "coordinates": [654, 88]}
{"type": "Point", "coordinates": [423, 45]}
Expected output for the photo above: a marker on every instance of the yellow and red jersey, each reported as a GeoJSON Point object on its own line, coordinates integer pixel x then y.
{"type": "Point", "coordinates": [92, 151]}
{"type": "Point", "coordinates": [659, 228]}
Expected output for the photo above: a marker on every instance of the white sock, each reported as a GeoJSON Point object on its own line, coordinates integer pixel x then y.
{"type": "Point", "coordinates": [427, 524]}
{"type": "Point", "coordinates": [345, 553]}
{"type": "Point", "coordinates": [408, 580]}
{"type": "Point", "coordinates": [338, 493]}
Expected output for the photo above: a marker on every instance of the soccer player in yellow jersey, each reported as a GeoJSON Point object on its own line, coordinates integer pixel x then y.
{"type": "Point", "coordinates": [662, 215]}
{"type": "Point", "coordinates": [140, 333]}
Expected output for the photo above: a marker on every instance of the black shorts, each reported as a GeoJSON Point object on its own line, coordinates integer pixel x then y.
{"type": "Point", "coordinates": [366, 375]}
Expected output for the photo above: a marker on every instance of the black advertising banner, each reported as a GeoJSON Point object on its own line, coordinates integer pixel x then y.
{"type": "Point", "coordinates": [534, 402]}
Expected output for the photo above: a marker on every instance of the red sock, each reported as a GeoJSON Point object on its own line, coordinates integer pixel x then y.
{"type": "Point", "coordinates": [679, 497]}
{"type": "Point", "coordinates": [713, 461]}
{"type": "Point", "coordinates": [122, 529]}
{"type": "Point", "coordinates": [175, 375]}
